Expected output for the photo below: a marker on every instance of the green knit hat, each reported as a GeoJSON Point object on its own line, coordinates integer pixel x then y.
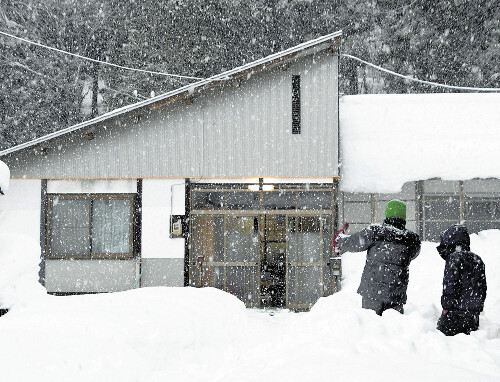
{"type": "Point", "coordinates": [395, 209]}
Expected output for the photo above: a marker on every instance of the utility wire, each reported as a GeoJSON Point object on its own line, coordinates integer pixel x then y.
{"type": "Point", "coordinates": [199, 78]}
{"type": "Point", "coordinates": [98, 61]}
{"type": "Point", "coordinates": [417, 80]}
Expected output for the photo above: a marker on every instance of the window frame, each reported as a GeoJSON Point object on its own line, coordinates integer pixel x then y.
{"type": "Point", "coordinates": [92, 197]}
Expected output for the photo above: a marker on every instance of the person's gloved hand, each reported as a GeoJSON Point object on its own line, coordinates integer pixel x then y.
{"type": "Point", "coordinates": [337, 235]}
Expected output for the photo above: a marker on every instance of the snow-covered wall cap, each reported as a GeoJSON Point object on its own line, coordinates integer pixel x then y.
{"type": "Point", "coordinates": [389, 139]}
{"type": "Point", "coordinates": [4, 177]}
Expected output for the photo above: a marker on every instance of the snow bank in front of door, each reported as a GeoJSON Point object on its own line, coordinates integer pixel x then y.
{"type": "Point", "coordinates": [389, 139]}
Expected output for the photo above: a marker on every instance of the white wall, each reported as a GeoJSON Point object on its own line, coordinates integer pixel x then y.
{"type": "Point", "coordinates": [20, 208]}
{"type": "Point", "coordinates": [79, 276]}
{"type": "Point", "coordinates": [158, 204]}
{"type": "Point", "coordinates": [94, 186]}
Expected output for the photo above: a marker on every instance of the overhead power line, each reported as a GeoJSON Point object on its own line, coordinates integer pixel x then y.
{"type": "Point", "coordinates": [421, 81]}
{"type": "Point", "coordinates": [98, 61]}
{"type": "Point", "coordinates": [200, 78]}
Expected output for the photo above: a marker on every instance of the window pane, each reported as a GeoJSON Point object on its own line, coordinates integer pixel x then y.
{"type": "Point", "coordinates": [279, 200]}
{"type": "Point", "coordinates": [208, 238]}
{"type": "Point", "coordinates": [69, 227]}
{"type": "Point", "coordinates": [242, 283]}
{"type": "Point", "coordinates": [69, 241]}
{"type": "Point", "coordinates": [315, 200]}
{"type": "Point", "coordinates": [310, 285]}
{"type": "Point", "coordinates": [111, 226]}
{"type": "Point", "coordinates": [309, 239]}
{"type": "Point", "coordinates": [242, 242]}
{"type": "Point", "coordinates": [292, 285]}
{"type": "Point", "coordinates": [207, 200]}
{"type": "Point", "coordinates": [304, 240]}
{"type": "Point", "coordinates": [218, 278]}
{"type": "Point", "coordinates": [218, 241]}
{"type": "Point", "coordinates": [327, 238]}
{"type": "Point", "coordinates": [243, 200]}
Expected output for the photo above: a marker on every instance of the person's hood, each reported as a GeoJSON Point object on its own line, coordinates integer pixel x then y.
{"type": "Point", "coordinates": [454, 236]}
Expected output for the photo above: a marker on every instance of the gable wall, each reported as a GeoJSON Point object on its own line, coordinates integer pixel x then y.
{"type": "Point", "coordinates": [227, 131]}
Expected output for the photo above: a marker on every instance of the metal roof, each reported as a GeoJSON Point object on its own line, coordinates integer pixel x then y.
{"type": "Point", "coordinates": [189, 89]}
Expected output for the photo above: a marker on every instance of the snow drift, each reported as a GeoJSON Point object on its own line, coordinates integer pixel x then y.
{"type": "Point", "coordinates": [186, 334]}
{"type": "Point", "coordinates": [19, 267]}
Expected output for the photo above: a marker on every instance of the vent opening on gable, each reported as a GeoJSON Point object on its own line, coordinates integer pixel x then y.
{"type": "Point", "coordinates": [296, 104]}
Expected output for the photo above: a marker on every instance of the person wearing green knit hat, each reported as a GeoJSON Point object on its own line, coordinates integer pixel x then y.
{"type": "Point", "coordinates": [390, 249]}
{"type": "Point", "coordinates": [395, 209]}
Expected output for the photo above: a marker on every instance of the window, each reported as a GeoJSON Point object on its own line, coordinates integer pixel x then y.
{"type": "Point", "coordinates": [284, 198]}
{"type": "Point", "coordinates": [295, 104]}
{"type": "Point", "coordinates": [90, 226]}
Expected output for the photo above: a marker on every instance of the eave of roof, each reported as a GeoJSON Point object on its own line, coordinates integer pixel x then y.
{"type": "Point", "coordinates": [319, 43]}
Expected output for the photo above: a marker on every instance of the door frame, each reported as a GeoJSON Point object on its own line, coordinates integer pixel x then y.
{"type": "Point", "coordinates": [220, 212]}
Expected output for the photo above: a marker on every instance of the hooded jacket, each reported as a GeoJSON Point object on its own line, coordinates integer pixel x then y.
{"type": "Point", "coordinates": [464, 280]}
{"type": "Point", "coordinates": [391, 248]}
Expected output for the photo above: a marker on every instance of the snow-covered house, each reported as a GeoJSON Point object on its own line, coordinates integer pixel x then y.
{"type": "Point", "coordinates": [238, 181]}
{"type": "Point", "coordinates": [229, 182]}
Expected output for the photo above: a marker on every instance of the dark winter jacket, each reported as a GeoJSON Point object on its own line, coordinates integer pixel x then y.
{"type": "Point", "coordinates": [464, 281]}
{"type": "Point", "coordinates": [391, 248]}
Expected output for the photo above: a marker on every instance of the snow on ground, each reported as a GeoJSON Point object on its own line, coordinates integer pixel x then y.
{"type": "Point", "coordinates": [4, 177]}
{"type": "Point", "coordinates": [389, 139]}
{"type": "Point", "coordinates": [187, 334]}
{"type": "Point", "coordinates": [19, 259]}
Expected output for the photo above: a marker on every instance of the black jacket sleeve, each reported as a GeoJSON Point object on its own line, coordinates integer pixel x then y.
{"type": "Point", "coordinates": [451, 283]}
{"type": "Point", "coordinates": [357, 242]}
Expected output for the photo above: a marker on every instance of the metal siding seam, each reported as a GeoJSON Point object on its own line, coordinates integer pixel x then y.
{"type": "Point", "coordinates": [240, 147]}
{"type": "Point", "coordinates": [269, 104]}
{"type": "Point", "coordinates": [208, 138]}
{"type": "Point", "coordinates": [320, 123]}
{"type": "Point", "coordinates": [219, 138]}
{"type": "Point", "coordinates": [230, 131]}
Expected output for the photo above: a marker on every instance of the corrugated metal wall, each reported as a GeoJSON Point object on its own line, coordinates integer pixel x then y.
{"type": "Point", "coordinates": [238, 130]}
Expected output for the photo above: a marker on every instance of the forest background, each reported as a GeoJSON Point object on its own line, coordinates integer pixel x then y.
{"type": "Point", "coordinates": [454, 42]}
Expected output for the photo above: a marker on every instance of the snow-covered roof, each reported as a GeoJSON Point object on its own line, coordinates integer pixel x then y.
{"type": "Point", "coordinates": [387, 140]}
{"type": "Point", "coordinates": [300, 50]}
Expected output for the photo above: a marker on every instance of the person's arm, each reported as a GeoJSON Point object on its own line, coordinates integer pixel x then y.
{"type": "Point", "coordinates": [483, 286]}
{"type": "Point", "coordinates": [357, 242]}
{"type": "Point", "coordinates": [416, 248]}
{"type": "Point", "coordinates": [451, 283]}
